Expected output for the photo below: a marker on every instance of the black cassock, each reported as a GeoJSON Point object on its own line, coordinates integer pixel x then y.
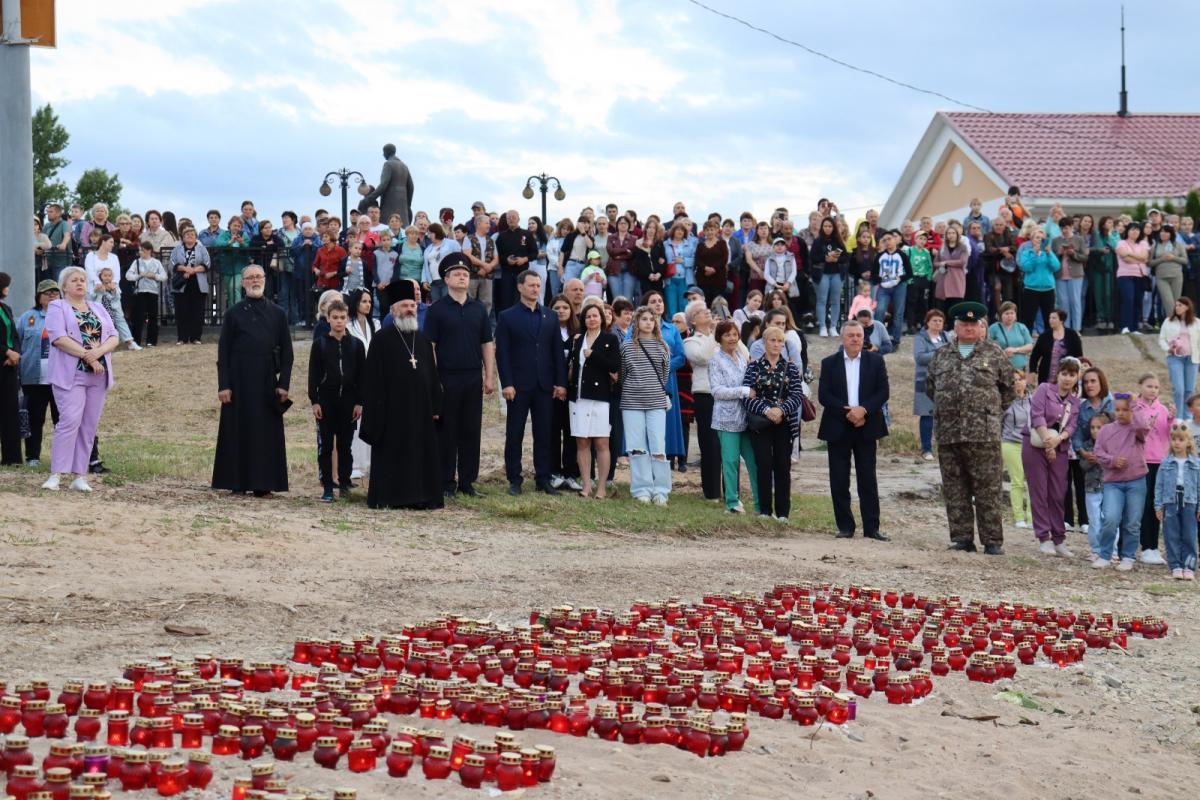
{"type": "Point", "coordinates": [397, 421]}
{"type": "Point", "coordinates": [254, 358]}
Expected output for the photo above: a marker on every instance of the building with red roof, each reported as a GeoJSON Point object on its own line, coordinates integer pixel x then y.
{"type": "Point", "coordinates": [1094, 163]}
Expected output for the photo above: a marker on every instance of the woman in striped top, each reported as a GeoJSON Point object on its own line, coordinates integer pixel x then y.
{"type": "Point", "coordinates": [645, 368]}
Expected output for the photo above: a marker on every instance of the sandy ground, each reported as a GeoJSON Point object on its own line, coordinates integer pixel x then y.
{"type": "Point", "coordinates": [87, 583]}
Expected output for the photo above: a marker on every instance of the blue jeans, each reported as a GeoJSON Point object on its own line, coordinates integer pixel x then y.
{"type": "Point", "coordinates": [1183, 382]}
{"type": "Point", "coordinates": [893, 298]}
{"type": "Point", "coordinates": [829, 296]}
{"type": "Point", "coordinates": [1179, 535]}
{"type": "Point", "coordinates": [438, 290]}
{"type": "Point", "coordinates": [1127, 290]}
{"type": "Point", "coordinates": [1123, 502]}
{"type": "Point", "coordinates": [646, 441]}
{"type": "Point", "coordinates": [284, 294]}
{"type": "Point", "coordinates": [676, 288]}
{"type": "Point", "coordinates": [1095, 511]}
{"type": "Point", "coordinates": [1070, 299]}
{"type": "Point", "coordinates": [572, 269]}
{"type": "Point", "coordinates": [926, 427]}
{"type": "Point", "coordinates": [625, 285]}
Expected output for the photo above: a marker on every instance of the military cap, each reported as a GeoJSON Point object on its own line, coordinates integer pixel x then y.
{"type": "Point", "coordinates": [968, 311]}
{"type": "Point", "coordinates": [453, 261]}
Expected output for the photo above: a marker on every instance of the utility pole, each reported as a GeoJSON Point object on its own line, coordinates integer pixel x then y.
{"type": "Point", "coordinates": [16, 159]}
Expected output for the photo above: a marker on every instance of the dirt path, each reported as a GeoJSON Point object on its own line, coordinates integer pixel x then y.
{"type": "Point", "coordinates": [87, 583]}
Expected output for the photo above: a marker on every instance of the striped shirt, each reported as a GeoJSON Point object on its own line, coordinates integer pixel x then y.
{"type": "Point", "coordinates": [644, 374]}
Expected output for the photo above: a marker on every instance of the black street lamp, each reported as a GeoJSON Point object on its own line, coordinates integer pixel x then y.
{"type": "Point", "coordinates": [344, 175]}
{"type": "Point", "coordinates": [544, 182]}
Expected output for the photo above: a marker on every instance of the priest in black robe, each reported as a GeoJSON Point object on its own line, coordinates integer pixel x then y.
{"type": "Point", "coordinates": [254, 372]}
{"type": "Point", "coordinates": [402, 405]}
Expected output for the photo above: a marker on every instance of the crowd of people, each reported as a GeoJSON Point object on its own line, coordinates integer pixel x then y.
{"type": "Point", "coordinates": [616, 335]}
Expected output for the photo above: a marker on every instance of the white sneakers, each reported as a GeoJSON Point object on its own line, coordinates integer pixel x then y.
{"type": "Point", "coordinates": [1022, 524]}
{"type": "Point", "coordinates": [1100, 563]}
{"type": "Point", "coordinates": [1125, 565]}
{"type": "Point", "coordinates": [54, 483]}
{"type": "Point", "coordinates": [660, 499]}
{"type": "Point", "coordinates": [1083, 528]}
{"type": "Point", "coordinates": [1152, 557]}
{"type": "Point", "coordinates": [824, 332]}
{"type": "Point", "coordinates": [574, 484]}
{"type": "Point", "coordinates": [1046, 548]}
{"type": "Point", "coordinates": [134, 345]}
{"type": "Point", "coordinates": [1061, 551]}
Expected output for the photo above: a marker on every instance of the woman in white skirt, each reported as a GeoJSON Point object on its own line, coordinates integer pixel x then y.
{"type": "Point", "coordinates": [592, 369]}
{"type": "Point", "coordinates": [363, 327]}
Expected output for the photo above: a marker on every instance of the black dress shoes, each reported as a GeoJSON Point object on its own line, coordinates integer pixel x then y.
{"type": "Point", "coordinates": [877, 536]}
{"type": "Point", "coordinates": [546, 488]}
{"type": "Point", "coordinates": [993, 550]}
{"type": "Point", "coordinates": [845, 535]}
{"type": "Point", "coordinates": [514, 489]}
{"type": "Point", "coordinates": [470, 491]}
{"type": "Point", "coordinates": [966, 547]}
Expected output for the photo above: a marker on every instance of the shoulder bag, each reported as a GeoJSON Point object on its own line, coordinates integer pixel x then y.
{"type": "Point", "coordinates": [1035, 438]}
{"type": "Point", "coordinates": [662, 382]}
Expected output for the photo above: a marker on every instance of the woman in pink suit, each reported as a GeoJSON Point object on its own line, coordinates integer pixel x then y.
{"type": "Point", "coordinates": [80, 372]}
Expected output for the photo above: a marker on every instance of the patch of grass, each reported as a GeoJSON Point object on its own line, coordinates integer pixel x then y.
{"type": "Point", "coordinates": [900, 442]}
{"type": "Point", "coordinates": [137, 459]}
{"type": "Point", "coordinates": [1165, 589]}
{"type": "Point", "coordinates": [17, 540]}
{"type": "Point", "coordinates": [686, 516]}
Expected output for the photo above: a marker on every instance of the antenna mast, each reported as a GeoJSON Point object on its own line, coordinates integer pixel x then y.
{"type": "Point", "coordinates": [1124, 110]}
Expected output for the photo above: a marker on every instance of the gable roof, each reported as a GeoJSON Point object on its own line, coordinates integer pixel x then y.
{"type": "Point", "coordinates": [1087, 155]}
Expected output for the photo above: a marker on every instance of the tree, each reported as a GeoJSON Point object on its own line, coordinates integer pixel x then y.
{"type": "Point", "coordinates": [1140, 211]}
{"type": "Point", "coordinates": [97, 186]}
{"type": "Point", "coordinates": [1191, 206]}
{"type": "Point", "coordinates": [1168, 207]}
{"type": "Point", "coordinates": [49, 139]}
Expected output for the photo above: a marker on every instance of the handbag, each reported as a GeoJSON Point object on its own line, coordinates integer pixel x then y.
{"type": "Point", "coordinates": [808, 411]}
{"type": "Point", "coordinates": [1035, 438]}
{"type": "Point", "coordinates": [660, 380]}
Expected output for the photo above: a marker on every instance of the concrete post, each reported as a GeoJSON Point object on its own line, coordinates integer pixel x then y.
{"type": "Point", "coordinates": [16, 161]}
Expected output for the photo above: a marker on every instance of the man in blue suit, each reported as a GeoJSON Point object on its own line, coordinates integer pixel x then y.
{"type": "Point", "coordinates": [853, 392]}
{"type": "Point", "coordinates": [533, 372]}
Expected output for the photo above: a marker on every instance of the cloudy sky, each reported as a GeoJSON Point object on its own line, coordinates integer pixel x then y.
{"type": "Point", "coordinates": [199, 103]}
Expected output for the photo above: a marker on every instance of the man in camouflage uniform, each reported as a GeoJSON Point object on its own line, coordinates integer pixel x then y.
{"type": "Point", "coordinates": [970, 383]}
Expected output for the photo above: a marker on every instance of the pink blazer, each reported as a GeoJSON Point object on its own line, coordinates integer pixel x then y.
{"type": "Point", "coordinates": [60, 321]}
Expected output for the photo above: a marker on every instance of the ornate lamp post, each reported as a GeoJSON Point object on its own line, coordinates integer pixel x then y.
{"type": "Point", "coordinates": [344, 175]}
{"type": "Point", "coordinates": [544, 182]}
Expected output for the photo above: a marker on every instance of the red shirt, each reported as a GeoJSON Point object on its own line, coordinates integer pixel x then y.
{"type": "Point", "coordinates": [328, 260]}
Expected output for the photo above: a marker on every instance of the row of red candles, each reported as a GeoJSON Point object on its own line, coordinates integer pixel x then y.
{"type": "Point", "coordinates": [720, 619]}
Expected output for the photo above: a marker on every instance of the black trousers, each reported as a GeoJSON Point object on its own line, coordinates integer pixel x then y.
{"type": "Point", "coordinates": [616, 437]}
{"type": "Point", "coordinates": [38, 397]}
{"type": "Point", "coordinates": [712, 293]}
{"type": "Point", "coordinates": [1032, 302]}
{"type": "Point", "coordinates": [10, 415]}
{"type": "Point", "coordinates": [710, 446]}
{"type": "Point", "coordinates": [189, 315]}
{"type": "Point", "coordinates": [564, 460]}
{"type": "Point", "coordinates": [539, 403]}
{"type": "Point", "coordinates": [504, 290]}
{"type": "Point", "coordinates": [459, 431]}
{"type": "Point", "coordinates": [145, 313]}
{"type": "Point", "coordinates": [1075, 493]}
{"type": "Point", "coordinates": [1150, 523]}
{"type": "Point", "coordinates": [335, 429]}
{"type": "Point", "coordinates": [773, 456]}
{"type": "Point", "coordinates": [854, 445]}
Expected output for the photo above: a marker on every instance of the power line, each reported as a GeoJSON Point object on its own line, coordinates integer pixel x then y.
{"type": "Point", "coordinates": [934, 93]}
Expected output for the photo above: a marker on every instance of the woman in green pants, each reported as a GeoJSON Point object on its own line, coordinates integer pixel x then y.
{"type": "Point", "coordinates": [726, 371]}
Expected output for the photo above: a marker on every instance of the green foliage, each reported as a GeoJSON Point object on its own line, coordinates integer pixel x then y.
{"type": "Point", "coordinates": [97, 186]}
{"type": "Point", "coordinates": [1141, 210]}
{"type": "Point", "coordinates": [50, 138]}
{"type": "Point", "coordinates": [1191, 206]}
{"type": "Point", "coordinates": [1168, 207]}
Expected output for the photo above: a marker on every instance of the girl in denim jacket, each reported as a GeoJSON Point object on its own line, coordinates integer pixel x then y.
{"type": "Point", "coordinates": [1176, 495]}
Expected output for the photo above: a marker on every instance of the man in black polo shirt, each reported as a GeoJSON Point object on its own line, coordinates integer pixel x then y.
{"type": "Point", "coordinates": [466, 360]}
{"type": "Point", "coordinates": [516, 248]}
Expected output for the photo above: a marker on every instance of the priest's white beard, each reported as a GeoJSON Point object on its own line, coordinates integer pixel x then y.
{"type": "Point", "coordinates": [254, 292]}
{"type": "Point", "coordinates": [405, 324]}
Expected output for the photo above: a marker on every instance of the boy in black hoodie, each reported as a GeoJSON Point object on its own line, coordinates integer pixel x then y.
{"type": "Point", "coordinates": [336, 368]}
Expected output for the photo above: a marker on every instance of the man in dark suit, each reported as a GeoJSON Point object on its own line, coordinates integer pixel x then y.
{"type": "Point", "coordinates": [533, 372]}
{"type": "Point", "coordinates": [853, 391]}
